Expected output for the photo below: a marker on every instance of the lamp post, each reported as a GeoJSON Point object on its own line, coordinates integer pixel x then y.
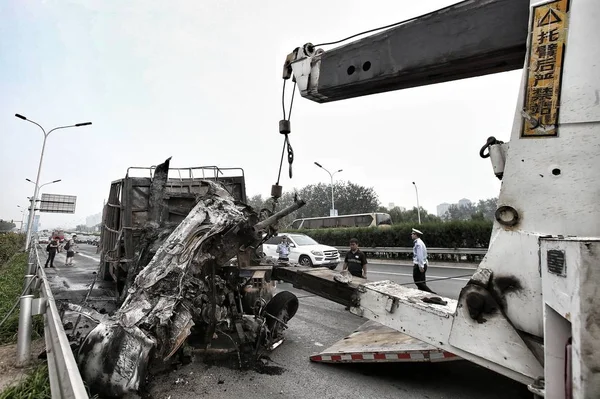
{"type": "Point", "coordinates": [418, 206]}
{"type": "Point", "coordinates": [22, 218]}
{"type": "Point", "coordinates": [331, 176]}
{"type": "Point", "coordinates": [33, 202]}
{"type": "Point", "coordinates": [37, 179]}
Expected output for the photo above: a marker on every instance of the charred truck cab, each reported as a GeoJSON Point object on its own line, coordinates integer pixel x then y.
{"type": "Point", "coordinates": [149, 200]}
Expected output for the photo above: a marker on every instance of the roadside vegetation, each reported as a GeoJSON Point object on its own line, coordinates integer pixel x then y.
{"type": "Point", "coordinates": [13, 265]}
{"type": "Point", "coordinates": [35, 385]}
{"type": "Point", "coordinates": [10, 244]}
{"type": "Point", "coordinates": [453, 234]}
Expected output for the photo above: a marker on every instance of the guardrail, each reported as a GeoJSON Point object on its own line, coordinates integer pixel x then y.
{"type": "Point", "coordinates": [65, 379]}
{"type": "Point", "coordinates": [454, 253]}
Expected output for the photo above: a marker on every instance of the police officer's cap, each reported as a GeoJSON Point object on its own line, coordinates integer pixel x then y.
{"type": "Point", "coordinates": [417, 232]}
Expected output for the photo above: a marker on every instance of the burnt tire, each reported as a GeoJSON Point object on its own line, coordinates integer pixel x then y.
{"type": "Point", "coordinates": [283, 306]}
{"type": "Point", "coordinates": [305, 261]}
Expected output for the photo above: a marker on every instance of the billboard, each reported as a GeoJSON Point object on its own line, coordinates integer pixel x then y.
{"type": "Point", "coordinates": [57, 203]}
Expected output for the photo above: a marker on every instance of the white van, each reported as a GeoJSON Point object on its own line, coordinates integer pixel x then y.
{"type": "Point", "coordinates": [304, 250]}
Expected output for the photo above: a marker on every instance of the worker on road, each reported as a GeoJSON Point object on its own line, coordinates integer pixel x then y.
{"type": "Point", "coordinates": [419, 261]}
{"type": "Point", "coordinates": [356, 261]}
{"type": "Point", "coordinates": [52, 249]}
{"type": "Point", "coordinates": [71, 247]}
{"type": "Point", "coordinates": [283, 249]}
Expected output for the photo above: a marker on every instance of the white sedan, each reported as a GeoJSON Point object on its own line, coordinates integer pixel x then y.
{"type": "Point", "coordinates": [304, 251]}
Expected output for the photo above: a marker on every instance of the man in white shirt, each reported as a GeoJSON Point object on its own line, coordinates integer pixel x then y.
{"type": "Point", "coordinates": [283, 249]}
{"type": "Point", "coordinates": [419, 261]}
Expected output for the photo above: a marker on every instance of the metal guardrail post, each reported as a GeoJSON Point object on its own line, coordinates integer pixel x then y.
{"type": "Point", "coordinates": [31, 268]}
{"type": "Point", "coordinates": [37, 283]}
{"type": "Point", "coordinates": [27, 284]}
{"type": "Point", "coordinates": [24, 333]}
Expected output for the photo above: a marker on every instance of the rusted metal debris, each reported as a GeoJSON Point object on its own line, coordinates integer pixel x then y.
{"type": "Point", "coordinates": [186, 289]}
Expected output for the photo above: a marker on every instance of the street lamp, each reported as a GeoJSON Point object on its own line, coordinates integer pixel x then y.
{"type": "Point", "coordinates": [22, 218]}
{"type": "Point", "coordinates": [45, 184]}
{"type": "Point", "coordinates": [32, 210]}
{"type": "Point", "coordinates": [331, 176]}
{"type": "Point", "coordinates": [37, 179]}
{"type": "Point", "coordinates": [418, 206]}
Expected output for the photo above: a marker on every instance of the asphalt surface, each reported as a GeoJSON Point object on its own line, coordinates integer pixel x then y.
{"type": "Point", "coordinates": [288, 372]}
{"type": "Point", "coordinates": [72, 283]}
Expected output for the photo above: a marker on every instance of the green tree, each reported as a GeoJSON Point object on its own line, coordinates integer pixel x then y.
{"type": "Point", "coordinates": [257, 202]}
{"type": "Point", "coordinates": [488, 207]}
{"type": "Point", "coordinates": [354, 198]}
{"type": "Point", "coordinates": [484, 209]}
{"type": "Point", "coordinates": [403, 215]}
{"type": "Point", "coordinates": [5, 225]}
{"type": "Point", "coordinates": [349, 198]}
{"type": "Point", "coordinates": [463, 212]}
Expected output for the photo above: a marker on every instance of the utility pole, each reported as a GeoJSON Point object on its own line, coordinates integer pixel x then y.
{"type": "Point", "coordinates": [418, 206]}
{"type": "Point", "coordinates": [332, 213]}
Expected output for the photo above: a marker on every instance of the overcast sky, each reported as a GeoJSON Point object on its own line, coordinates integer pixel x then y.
{"type": "Point", "coordinates": [200, 81]}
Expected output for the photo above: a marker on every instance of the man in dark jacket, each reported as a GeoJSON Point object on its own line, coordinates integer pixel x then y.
{"type": "Point", "coordinates": [52, 249]}
{"type": "Point", "coordinates": [355, 261]}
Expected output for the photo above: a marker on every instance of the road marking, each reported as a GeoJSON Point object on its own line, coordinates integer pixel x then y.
{"type": "Point", "coordinates": [89, 257]}
{"type": "Point", "coordinates": [410, 275]}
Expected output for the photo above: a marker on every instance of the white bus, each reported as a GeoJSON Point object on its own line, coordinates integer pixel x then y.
{"type": "Point", "coordinates": [375, 219]}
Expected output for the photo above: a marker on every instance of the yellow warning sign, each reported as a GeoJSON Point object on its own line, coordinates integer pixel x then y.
{"type": "Point", "coordinates": [544, 69]}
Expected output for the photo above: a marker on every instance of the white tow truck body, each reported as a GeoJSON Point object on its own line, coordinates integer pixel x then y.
{"type": "Point", "coordinates": [532, 309]}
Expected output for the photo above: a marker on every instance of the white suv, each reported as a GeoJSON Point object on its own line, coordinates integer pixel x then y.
{"type": "Point", "coordinates": [304, 250]}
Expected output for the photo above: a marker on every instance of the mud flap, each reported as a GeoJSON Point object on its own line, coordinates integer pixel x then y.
{"type": "Point", "coordinates": [373, 343]}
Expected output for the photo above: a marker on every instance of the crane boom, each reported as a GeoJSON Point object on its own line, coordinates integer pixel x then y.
{"type": "Point", "coordinates": [468, 39]}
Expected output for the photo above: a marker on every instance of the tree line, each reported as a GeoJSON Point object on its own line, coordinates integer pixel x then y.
{"type": "Point", "coordinates": [6, 225]}
{"type": "Point", "coordinates": [353, 198]}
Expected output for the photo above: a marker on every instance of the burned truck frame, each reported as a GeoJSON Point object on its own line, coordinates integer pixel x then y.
{"type": "Point", "coordinates": [156, 200]}
{"type": "Point", "coordinates": [184, 254]}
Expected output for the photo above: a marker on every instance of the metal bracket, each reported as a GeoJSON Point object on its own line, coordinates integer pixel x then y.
{"type": "Point", "coordinates": [38, 306]}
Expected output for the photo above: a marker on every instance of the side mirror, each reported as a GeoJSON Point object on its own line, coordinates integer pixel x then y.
{"type": "Point", "coordinates": [292, 245]}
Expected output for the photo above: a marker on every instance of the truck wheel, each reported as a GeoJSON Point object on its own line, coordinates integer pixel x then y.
{"type": "Point", "coordinates": [305, 261]}
{"type": "Point", "coordinates": [283, 306]}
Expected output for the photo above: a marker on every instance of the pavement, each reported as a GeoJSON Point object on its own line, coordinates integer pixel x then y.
{"type": "Point", "coordinates": [289, 373]}
{"type": "Point", "coordinates": [72, 283]}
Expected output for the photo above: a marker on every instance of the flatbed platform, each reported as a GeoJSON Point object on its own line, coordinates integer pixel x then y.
{"type": "Point", "coordinates": [373, 343]}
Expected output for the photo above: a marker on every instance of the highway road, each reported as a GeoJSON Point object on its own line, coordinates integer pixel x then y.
{"type": "Point", "coordinates": [288, 372]}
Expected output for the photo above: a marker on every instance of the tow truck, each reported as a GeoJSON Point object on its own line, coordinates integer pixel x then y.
{"type": "Point", "coordinates": [531, 311]}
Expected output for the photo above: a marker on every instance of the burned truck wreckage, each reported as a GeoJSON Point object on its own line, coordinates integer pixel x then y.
{"type": "Point", "coordinates": [186, 268]}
